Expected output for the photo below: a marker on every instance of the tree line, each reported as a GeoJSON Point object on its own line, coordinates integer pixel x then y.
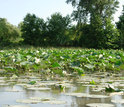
{"type": "Point", "coordinates": [94, 27]}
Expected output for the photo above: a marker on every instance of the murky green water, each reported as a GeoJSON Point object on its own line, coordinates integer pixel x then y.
{"type": "Point", "coordinates": [11, 92]}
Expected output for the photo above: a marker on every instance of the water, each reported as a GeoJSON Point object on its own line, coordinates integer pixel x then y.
{"type": "Point", "coordinates": [55, 92]}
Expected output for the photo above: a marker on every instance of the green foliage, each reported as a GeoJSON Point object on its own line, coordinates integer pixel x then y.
{"type": "Point", "coordinates": [111, 89]}
{"type": "Point", "coordinates": [111, 35]}
{"type": "Point", "coordinates": [55, 65]}
{"type": "Point", "coordinates": [8, 32]}
{"type": "Point", "coordinates": [95, 18]}
{"type": "Point", "coordinates": [91, 8]}
{"type": "Point", "coordinates": [60, 61]}
{"type": "Point", "coordinates": [33, 29]}
{"type": "Point", "coordinates": [58, 27]}
{"type": "Point", "coordinates": [120, 26]}
{"type": "Point", "coordinates": [79, 70]}
{"type": "Point", "coordinates": [92, 82]}
{"type": "Point", "coordinates": [32, 82]}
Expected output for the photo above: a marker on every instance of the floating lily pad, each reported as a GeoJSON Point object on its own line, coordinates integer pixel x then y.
{"type": "Point", "coordinates": [1, 78]}
{"type": "Point", "coordinates": [98, 96]}
{"type": "Point", "coordinates": [41, 99]}
{"type": "Point", "coordinates": [15, 106]}
{"type": "Point", "coordinates": [116, 93]}
{"type": "Point", "coordinates": [28, 101]}
{"type": "Point", "coordinates": [118, 101]}
{"type": "Point", "coordinates": [55, 102]}
{"type": "Point", "coordinates": [99, 105]}
{"type": "Point", "coordinates": [97, 89]}
{"type": "Point", "coordinates": [47, 83]}
{"type": "Point", "coordinates": [2, 81]}
{"type": "Point", "coordinates": [86, 95]}
{"type": "Point", "coordinates": [13, 90]}
{"type": "Point", "coordinates": [39, 89]}
{"type": "Point", "coordinates": [21, 84]}
{"type": "Point", "coordinates": [23, 80]}
{"type": "Point", "coordinates": [4, 84]}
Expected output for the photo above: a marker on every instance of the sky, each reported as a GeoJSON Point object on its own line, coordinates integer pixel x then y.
{"type": "Point", "coordinates": [15, 10]}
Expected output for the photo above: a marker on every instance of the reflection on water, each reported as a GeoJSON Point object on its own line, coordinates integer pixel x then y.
{"type": "Point", "coordinates": [7, 97]}
{"type": "Point", "coordinates": [117, 97]}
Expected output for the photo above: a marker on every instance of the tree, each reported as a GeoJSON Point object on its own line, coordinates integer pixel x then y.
{"type": "Point", "coordinates": [91, 8]}
{"type": "Point", "coordinates": [8, 32]}
{"type": "Point", "coordinates": [58, 27]}
{"type": "Point", "coordinates": [120, 26]}
{"type": "Point", "coordinates": [94, 14]}
{"type": "Point", "coordinates": [33, 29]}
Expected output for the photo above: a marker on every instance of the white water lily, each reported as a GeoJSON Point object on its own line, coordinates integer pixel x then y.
{"type": "Point", "coordinates": [37, 60]}
{"type": "Point", "coordinates": [61, 57]}
{"type": "Point", "coordinates": [44, 53]}
{"type": "Point", "coordinates": [14, 60]}
{"type": "Point", "coordinates": [37, 51]}
{"type": "Point", "coordinates": [1, 51]}
{"type": "Point", "coordinates": [100, 56]}
{"type": "Point", "coordinates": [110, 57]}
{"type": "Point", "coordinates": [64, 72]}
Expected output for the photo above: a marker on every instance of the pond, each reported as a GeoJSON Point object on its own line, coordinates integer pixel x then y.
{"type": "Point", "coordinates": [31, 91]}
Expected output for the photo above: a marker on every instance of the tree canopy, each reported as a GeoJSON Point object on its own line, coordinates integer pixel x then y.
{"type": "Point", "coordinates": [58, 27]}
{"type": "Point", "coordinates": [120, 26]}
{"type": "Point", "coordinates": [8, 32]}
{"type": "Point", "coordinates": [33, 29]}
{"type": "Point", "coordinates": [96, 16]}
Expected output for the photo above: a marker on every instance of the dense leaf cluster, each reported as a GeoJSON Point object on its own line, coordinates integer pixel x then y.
{"type": "Point", "coordinates": [120, 26]}
{"type": "Point", "coordinates": [8, 32]}
{"type": "Point", "coordinates": [60, 61]}
{"type": "Point", "coordinates": [53, 32]}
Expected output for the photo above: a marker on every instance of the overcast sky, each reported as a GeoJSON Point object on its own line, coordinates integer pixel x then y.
{"type": "Point", "coordinates": [15, 10]}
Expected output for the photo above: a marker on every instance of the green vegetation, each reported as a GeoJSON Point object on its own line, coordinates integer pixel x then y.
{"type": "Point", "coordinates": [112, 89]}
{"type": "Point", "coordinates": [32, 82]}
{"type": "Point", "coordinates": [120, 26]}
{"type": "Point", "coordinates": [92, 82]}
{"type": "Point", "coordinates": [93, 30]}
{"type": "Point", "coordinates": [93, 27]}
{"type": "Point", "coordinates": [32, 30]}
{"type": "Point", "coordinates": [8, 33]}
{"type": "Point", "coordinates": [60, 61]}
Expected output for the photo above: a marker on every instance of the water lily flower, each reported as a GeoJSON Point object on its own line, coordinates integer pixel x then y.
{"type": "Point", "coordinates": [14, 60]}
{"type": "Point", "coordinates": [37, 60]}
{"type": "Point", "coordinates": [64, 72]}
{"type": "Point", "coordinates": [37, 51]}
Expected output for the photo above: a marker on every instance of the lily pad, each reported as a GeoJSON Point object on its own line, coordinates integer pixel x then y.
{"type": "Point", "coordinates": [86, 95]}
{"type": "Point", "coordinates": [15, 106]}
{"type": "Point", "coordinates": [2, 81]}
{"type": "Point", "coordinates": [116, 93]}
{"type": "Point", "coordinates": [4, 84]}
{"type": "Point", "coordinates": [121, 101]}
{"type": "Point", "coordinates": [99, 105]}
{"type": "Point", "coordinates": [98, 96]}
{"type": "Point", "coordinates": [13, 90]}
{"type": "Point", "coordinates": [41, 98]}
{"type": "Point", "coordinates": [97, 89]}
{"type": "Point", "coordinates": [28, 101]}
{"type": "Point", "coordinates": [39, 89]}
{"type": "Point", "coordinates": [55, 102]}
